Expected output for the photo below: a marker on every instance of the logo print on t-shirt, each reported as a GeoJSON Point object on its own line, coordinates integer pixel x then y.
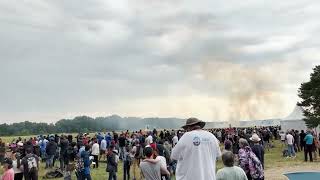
{"type": "Point", "coordinates": [196, 141]}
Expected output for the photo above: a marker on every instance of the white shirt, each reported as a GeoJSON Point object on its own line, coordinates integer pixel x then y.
{"type": "Point", "coordinates": [175, 140]}
{"type": "Point", "coordinates": [15, 167]}
{"type": "Point", "coordinates": [95, 149]}
{"type": "Point", "coordinates": [162, 160]}
{"type": "Point", "coordinates": [103, 144]}
{"type": "Point", "coordinates": [196, 153]}
{"type": "Point", "coordinates": [290, 139]}
{"type": "Point", "coordinates": [149, 140]}
{"type": "Point", "coordinates": [219, 134]}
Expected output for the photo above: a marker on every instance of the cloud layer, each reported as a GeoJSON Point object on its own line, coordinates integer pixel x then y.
{"type": "Point", "coordinates": [214, 60]}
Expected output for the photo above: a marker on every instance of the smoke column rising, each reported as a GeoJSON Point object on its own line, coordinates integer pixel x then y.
{"type": "Point", "coordinates": [247, 90]}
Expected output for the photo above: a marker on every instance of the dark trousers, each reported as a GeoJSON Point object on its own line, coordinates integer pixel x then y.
{"type": "Point", "coordinates": [82, 176]}
{"type": "Point", "coordinates": [18, 176]}
{"type": "Point", "coordinates": [302, 146]}
{"type": "Point", "coordinates": [308, 150]}
{"type": "Point", "coordinates": [31, 176]}
{"type": "Point", "coordinates": [126, 171]}
{"type": "Point", "coordinates": [96, 160]}
{"type": "Point", "coordinates": [112, 175]}
{"type": "Point", "coordinates": [64, 161]}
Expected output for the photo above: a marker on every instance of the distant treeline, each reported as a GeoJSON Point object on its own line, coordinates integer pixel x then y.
{"type": "Point", "coordinates": [88, 124]}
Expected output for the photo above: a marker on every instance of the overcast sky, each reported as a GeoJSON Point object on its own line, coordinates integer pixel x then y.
{"type": "Point", "coordinates": [215, 60]}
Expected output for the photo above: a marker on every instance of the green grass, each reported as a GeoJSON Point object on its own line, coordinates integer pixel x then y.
{"type": "Point", "coordinates": [273, 159]}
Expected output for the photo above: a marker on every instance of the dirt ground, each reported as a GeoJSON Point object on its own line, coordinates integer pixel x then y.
{"type": "Point", "coordinates": [276, 173]}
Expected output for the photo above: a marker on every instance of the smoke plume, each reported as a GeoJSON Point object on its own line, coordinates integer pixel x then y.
{"type": "Point", "coordinates": [248, 91]}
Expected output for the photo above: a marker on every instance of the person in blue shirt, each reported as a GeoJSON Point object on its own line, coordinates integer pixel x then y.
{"type": "Point", "coordinates": [308, 139]}
{"type": "Point", "coordinates": [99, 137]}
{"type": "Point", "coordinates": [108, 139]}
{"type": "Point", "coordinates": [86, 163]}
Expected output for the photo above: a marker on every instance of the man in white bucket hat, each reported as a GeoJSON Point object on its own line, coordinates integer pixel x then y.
{"type": "Point", "coordinates": [257, 148]}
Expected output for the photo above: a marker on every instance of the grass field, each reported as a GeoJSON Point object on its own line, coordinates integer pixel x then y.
{"type": "Point", "coordinates": [275, 165]}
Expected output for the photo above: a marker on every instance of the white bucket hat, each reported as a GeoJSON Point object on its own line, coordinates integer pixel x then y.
{"type": "Point", "coordinates": [255, 138]}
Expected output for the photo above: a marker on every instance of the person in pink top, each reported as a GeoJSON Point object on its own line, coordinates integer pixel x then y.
{"type": "Point", "coordinates": [8, 171]}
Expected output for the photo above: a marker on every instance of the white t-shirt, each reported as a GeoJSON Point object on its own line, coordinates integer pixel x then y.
{"type": "Point", "coordinates": [15, 167]}
{"type": "Point", "coordinates": [95, 149]}
{"type": "Point", "coordinates": [290, 139]}
{"type": "Point", "coordinates": [103, 145]}
{"type": "Point", "coordinates": [175, 140]}
{"type": "Point", "coordinates": [149, 140]}
{"type": "Point", "coordinates": [196, 153]}
{"type": "Point", "coordinates": [163, 161]}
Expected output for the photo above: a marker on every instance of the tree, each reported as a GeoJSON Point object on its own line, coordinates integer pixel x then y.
{"type": "Point", "coordinates": [309, 92]}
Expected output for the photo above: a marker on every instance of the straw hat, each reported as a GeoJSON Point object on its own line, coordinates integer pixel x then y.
{"type": "Point", "coordinates": [255, 138]}
{"type": "Point", "coordinates": [192, 122]}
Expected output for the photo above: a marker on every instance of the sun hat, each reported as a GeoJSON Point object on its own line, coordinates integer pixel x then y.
{"type": "Point", "coordinates": [255, 138]}
{"type": "Point", "coordinates": [193, 121]}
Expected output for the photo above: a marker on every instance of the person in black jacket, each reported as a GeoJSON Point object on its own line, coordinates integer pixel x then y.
{"type": "Point", "coordinates": [64, 159]}
{"type": "Point", "coordinates": [302, 142]}
{"type": "Point", "coordinates": [257, 148]}
{"type": "Point", "coordinates": [112, 163]}
{"type": "Point", "coordinates": [51, 150]}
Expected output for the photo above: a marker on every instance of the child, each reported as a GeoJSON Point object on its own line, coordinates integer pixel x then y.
{"type": "Point", "coordinates": [8, 171]}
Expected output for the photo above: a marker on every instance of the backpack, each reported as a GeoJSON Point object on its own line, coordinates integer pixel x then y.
{"type": "Point", "coordinates": [56, 173]}
{"type": "Point", "coordinates": [32, 164]}
{"type": "Point", "coordinates": [129, 159]}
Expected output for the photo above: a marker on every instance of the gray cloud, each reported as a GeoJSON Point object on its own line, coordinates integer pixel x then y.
{"type": "Point", "coordinates": [154, 58]}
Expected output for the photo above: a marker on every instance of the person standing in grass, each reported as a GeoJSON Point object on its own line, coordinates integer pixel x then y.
{"type": "Point", "coordinates": [257, 148]}
{"type": "Point", "coordinates": [16, 163]}
{"type": "Point", "coordinates": [302, 135]}
{"type": "Point", "coordinates": [51, 150]}
{"type": "Point", "coordinates": [30, 165]}
{"type": "Point", "coordinates": [196, 152]}
{"type": "Point", "coordinates": [290, 143]}
{"type": "Point", "coordinates": [249, 162]}
{"type": "Point", "coordinates": [64, 160]}
{"type": "Point", "coordinates": [84, 155]}
{"type": "Point", "coordinates": [95, 151]}
{"type": "Point", "coordinates": [103, 148]}
{"type": "Point", "coordinates": [308, 139]}
{"type": "Point", "coordinates": [151, 169]}
{"type": "Point", "coordinates": [127, 161]}
{"type": "Point", "coordinates": [112, 163]}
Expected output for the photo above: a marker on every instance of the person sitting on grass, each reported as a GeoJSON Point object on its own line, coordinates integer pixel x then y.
{"type": "Point", "coordinates": [230, 171]}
